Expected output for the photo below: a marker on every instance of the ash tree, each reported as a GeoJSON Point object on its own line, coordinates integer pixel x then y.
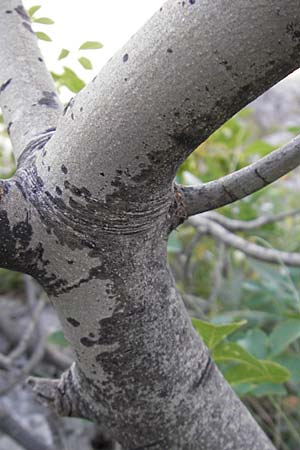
{"type": "Point", "coordinates": [90, 207]}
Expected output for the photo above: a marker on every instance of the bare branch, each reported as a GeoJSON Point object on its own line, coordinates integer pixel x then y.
{"type": "Point", "coordinates": [51, 356]}
{"type": "Point", "coordinates": [158, 114]}
{"type": "Point", "coordinates": [242, 225]}
{"type": "Point", "coordinates": [61, 395]}
{"type": "Point", "coordinates": [24, 342]}
{"type": "Point", "coordinates": [28, 99]}
{"type": "Point", "coordinates": [12, 427]}
{"type": "Point", "coordinates": [243, 182]}
{"type": "Point", "coordinates": [255, 251]}
{"type": "Point", "coordinates": [38, 350]}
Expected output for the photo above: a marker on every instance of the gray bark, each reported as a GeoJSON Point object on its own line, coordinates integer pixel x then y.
{"type": "Point", "coordinates": [90, 208]}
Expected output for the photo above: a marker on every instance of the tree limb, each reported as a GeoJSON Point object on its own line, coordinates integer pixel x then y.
{"type": "Point", "coordinates": [243, 182]}
{"type": "Point", "coordinates": [13, 428]}
{"type": "Point", "coordinates": [158, 114]}
{"type": "Point", "coordinates": [255, 251]}
{"type": "Point", "coordinates": [243, 225]}
{"type": "Point", "coordinates": [28, 99]}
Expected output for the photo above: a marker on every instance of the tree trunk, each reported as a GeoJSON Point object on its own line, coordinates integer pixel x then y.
{"type": "Point", "coordinates": [91, 205]}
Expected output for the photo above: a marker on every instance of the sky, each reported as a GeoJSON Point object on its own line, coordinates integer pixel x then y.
{"type": "Point", "coordinates": [110, 22]}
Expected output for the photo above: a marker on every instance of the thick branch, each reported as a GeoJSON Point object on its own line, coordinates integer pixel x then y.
{"type": "Point", "coordinates": [28, 100]}
{"type": "Point", "coordinates": [243, 182]}
{"type": "Point", "coordinates": [100, 210]}
{"type": "Point", "coordinates": [169, 88]}
{"type": "Point", "coordinates": [255, 251]}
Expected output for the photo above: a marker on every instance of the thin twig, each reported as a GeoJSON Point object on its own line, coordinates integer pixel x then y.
{"type": "Point", "coordinates": [13, 428]}
{"type": "Point", "coordinates": [255, 251]}
{"type": "Point", "coordinates": [242, 225]}
{"type": "Point", "coordinates": [243, 182]}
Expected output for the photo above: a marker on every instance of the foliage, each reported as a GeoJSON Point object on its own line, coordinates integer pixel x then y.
{"type": "Point", "coordinates": [261, 358]}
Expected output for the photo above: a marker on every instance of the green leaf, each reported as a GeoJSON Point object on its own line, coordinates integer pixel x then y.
{"type": "Point", "coordinates": [174, 244]}
{"type": "Point", "coordinates": [231, 351]}
{"type": "Point", "coordinates": [283, 335]}
{"type": "Point", "coordinates": [295, 130]}
{"type": "Point", "coordinates": [266, 371]}
{"type": "Point", "coordinates": [63, 54]}
{"type": "Point", "coordinates": [90, 45]}
{"type": "Point", "coordinates": [69, 79]}
{"type": "Point", "coordinates": [44, 20]}
{"type": "Point", "coordinates": [213, 334]}
{"type": "Point", "coordinates": [255, 342]}
{"type": "Point", "coordinates": [292, 363]}
{"type": "Point", "coordinates": [57, 338]}
{"type": "Point", "coordinates": [43, 36]}
{"type": "Point", "coordinates": [33, 10]}
{"type": "Point", "coordinates": [85, 62]}
{"type": "Point", "coordinates": [242, 389]}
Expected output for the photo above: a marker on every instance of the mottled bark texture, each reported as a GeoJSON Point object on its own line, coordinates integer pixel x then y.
{"type": "Point", "coordinates": [90, 208]}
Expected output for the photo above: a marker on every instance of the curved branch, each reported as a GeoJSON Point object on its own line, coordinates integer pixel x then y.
{"type": "Point", "coordinates": [28, 99]}
{"type": "Point", "coordinates": [145, 116]}
{"type": "Point", "coordinates": [242, 225]}
{"type": "Point", "coordinates": [243, 182]}
{"type": "Point", "coordinates": [255, 251]}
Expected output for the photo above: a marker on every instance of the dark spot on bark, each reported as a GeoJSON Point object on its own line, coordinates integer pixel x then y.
{"type": "Point", "coordinates": [70, 261]}
{"type": "Point", "coordinates": [64, 169]}
{"type": "Point", "coordinates": [226, 65]}
{"type": "Point", "coordinates": [153, 444]}
{"type": "Point", "coordinates": [87, 342]}
{"type": "Point", "coordinates": [229, 194]}
{"type": "Point", "coordinates": [207, 88]}
{"type": "Point", "coordinates": [22, 12]}
{"type": "Point", "coordinates": [169, 50]}
{"type": "Point", "coordinates": [94, 79]}
{"type": "Point", "coordinates": [81, 108]}
{"type": "Point", "coordinates": [48, 168]}
{"type": "Point", "coordinates": [4, 85]}
{"type": "Point", "coordinates": [50, 130]}
{"type": "Point", "coordinates": [49, 99]}
{"type": "Point", "coordinates": [187, 139]}
{"type": "Point", "coordinates": [73, 322]}
{"type": "Point", "coordinates": [102, 174]}
{"type": "Point", "coordinates": [125, 57]}
{"type": "Point", "coordinates": [259, 175]}
{"type": "Point", "coordinates": [125, 79]}
{"type": "Point", "coordinates": [68, 105]}
{"type": "Point", "coordinates": [40, 59]}
{"type": "Point", "coordinates": [27, 26]}
{"type": "Point", "coordinates": [192, 2]}
{"type": "Point", "coordinates": [293, 30]}
{"type": "Point", "coordinates": [58, 190]}
{"type": "Point", "coordinates": [8, 128]}
{"type": "Point", "coordinates": [205, 374]}
{"type": "Point", "coordinates": [9, 11]}
{"type": "Point", "coordinates": [34, 146]}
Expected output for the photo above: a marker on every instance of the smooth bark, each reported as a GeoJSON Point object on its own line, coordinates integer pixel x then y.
{"type": "Point", "coordinates": [96, 202]}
